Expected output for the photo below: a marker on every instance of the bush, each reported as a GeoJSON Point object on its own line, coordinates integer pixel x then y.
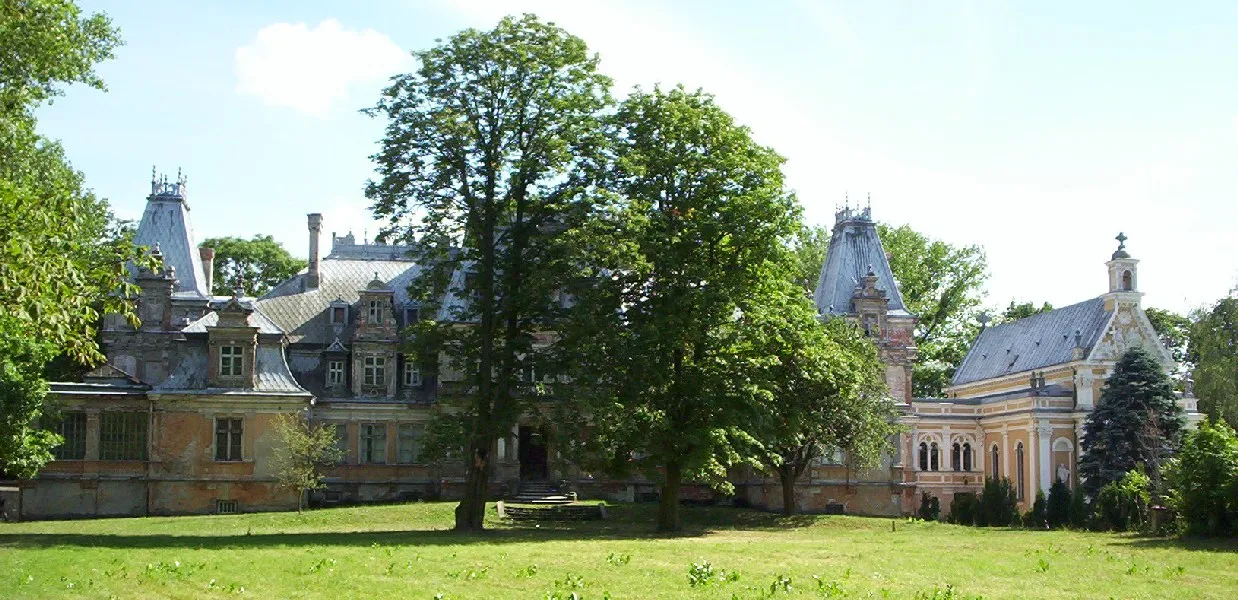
{"type": "Point", "coordinates": [1203, 481]}
{"type": "Point", "coordinates": [1080, 512]}
{"type": "Point", "coordinates": [1037, 518]}
{"type": "Point", "coordinates": [930, 507]}
{"type": "Point", "coordinates": [1057, 511]}
{"type": "Point", "coordinates": [963, 509]}
{"type": "Point", "coordinates": [1123, 505]}
{"type": "Point", "coordinates": [998, 505]}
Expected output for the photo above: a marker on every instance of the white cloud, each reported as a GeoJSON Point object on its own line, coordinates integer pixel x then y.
{"type": "Point", "coordinates": [313, 70]}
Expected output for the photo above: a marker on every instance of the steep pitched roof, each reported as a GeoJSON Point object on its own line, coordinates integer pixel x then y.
{"type": "Point", "coordinates": [854, 246]}
{"type": "Point", "coordinates": [166, 223]}
{"type": "Point", "coordinates": [272, 374]}
{"type": "Point", "coordinates": [1034, 342]}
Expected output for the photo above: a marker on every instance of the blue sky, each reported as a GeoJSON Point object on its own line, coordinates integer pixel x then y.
{"type": "Point", "coordinates": [1036, 129]}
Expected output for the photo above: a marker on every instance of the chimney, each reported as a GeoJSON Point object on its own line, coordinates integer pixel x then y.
{"type": "Point", "coordinates": [312, 278]}
{"type": "Point", "coordinates": [208, 266]}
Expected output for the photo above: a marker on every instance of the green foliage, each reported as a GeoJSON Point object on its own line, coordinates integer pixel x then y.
{"type": "Point", "coordinates": [1057, 510]}
{"type": "Point", "coordinates": [930, 507]}
{"type": "Point", "coordinates": [1137, 421]}
{"type": "Point", "coordinates": [1123, 505]}
{"type": "Point", "coordinates": [1023, 310]}
{"type": "Point", "coordinates": [61, 252]}
{"type": "Point", "coordinates": [1203, 480]}
{"type": "Point", "coordinates": [964, 509]}
{"type": "Point", "coordinates": [942, 285]}
{"type": "Point", "coordinates": [1214, 352]}
{"type": "Point", "coordinates": [1080, 511]}
{"type": "Point", "coordinates": [301, 451]}
{"type": "Point", "coordinates": [808, 256]}
{"type": "Point", "coordinates": [252, 266]}
{"type": "Point", "coordinates": [487, 169]}
{"type": "Point", "coordinates": [999, 507]}
{"type": "Point", "coordinates": [1174, 331]}
{"type": "Point", "coordinates": [1038, 516]}
{"type": "Point", "coordinates": [691, 247]}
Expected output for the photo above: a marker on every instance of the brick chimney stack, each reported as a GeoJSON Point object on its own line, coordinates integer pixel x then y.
{"type": "Point", "coordinates": [312, 277]}
{"type": "Point", "coordinates": [208, 266]}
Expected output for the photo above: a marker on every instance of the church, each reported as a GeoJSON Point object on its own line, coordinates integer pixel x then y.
{"type": "Point", "coordinates": [178, 420]}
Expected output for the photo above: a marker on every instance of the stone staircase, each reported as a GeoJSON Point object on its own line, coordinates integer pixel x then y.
{"type": "Point", "coordinates": [540, 493]}
{"type": "Point", "coordinates": [541, 501]}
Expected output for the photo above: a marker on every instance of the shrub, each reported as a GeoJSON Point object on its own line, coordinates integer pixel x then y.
{"type": "Point", "coordinates": [930, 507]}
{"type": "Point", "coordinates": [998, 505]}
{"type": "Point", "coordinates": [963, 509]}
{"type": "Point", "coordinates": [1080, 512]}
{"type": "Point", "coordinates": [1037, 518]}
{"type": "Point", "coordinates": [1123, 505]}
{"type": "Point", "coordinates": [1203, 481]}
{"type": "Point", "coordinates": [1057, 511]}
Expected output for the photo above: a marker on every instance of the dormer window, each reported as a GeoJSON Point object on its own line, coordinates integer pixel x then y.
{"type": "Point", "coordinates": [412, 314]}
{"type": "Point", "coordinates": [231, 361]}
{"type": "Point", "coordinates": [339, 315]}
{"type": "Point", "coordinates": [375, 371]}
{"type": "Point", "coordinates": [376, 312]}
{"type": "Point", "coordinates": [335, 373]}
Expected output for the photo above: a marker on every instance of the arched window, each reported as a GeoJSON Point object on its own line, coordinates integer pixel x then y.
{"type": "Point", "coordinates": [994, 463]}
{"type": "Point", "coordinates": [934, 456]}
{"type": "Point", "coordinates": [1126, 280]}
{"type": "Point", "coordinates": [956, 457]}
{"type": "Point", "coordinates": [966, 457]}
{"type": "Point", "coordinates": [1019, 478]}
{"type": "Point", "coordinates": [924, 460]}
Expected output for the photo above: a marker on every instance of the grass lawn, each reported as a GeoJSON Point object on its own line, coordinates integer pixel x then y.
{"type": "Point", "coordinates": [404, 551]}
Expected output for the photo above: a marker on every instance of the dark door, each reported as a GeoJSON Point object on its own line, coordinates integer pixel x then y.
{"type": "Point", "coordinates": [532, 451]}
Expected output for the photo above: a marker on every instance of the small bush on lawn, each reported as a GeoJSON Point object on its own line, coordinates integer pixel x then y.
{"type": "Point", "coordinates": [1057, 511]}
{"type": "Point", "coordinates": [963, 509]}
{"type": "Point", "coordinates": [1037, 518]}
{"type": "Point", "coordinates": [1123, 505]}
{"type": "Point", "coordinates": [930, 507]}
{"type": "Point", "coordinates": [998, 505]}
{"type": "Point", "coordinates": [1080, 512]}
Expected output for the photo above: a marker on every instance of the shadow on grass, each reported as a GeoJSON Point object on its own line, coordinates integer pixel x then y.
{"type": "Point", "coordinates": [1191, 543]}
{"type": "Point", "coordinates": [631, 522]}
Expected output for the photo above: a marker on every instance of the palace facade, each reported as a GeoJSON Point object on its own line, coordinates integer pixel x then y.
{"type": "Point", "coordinates": [178, 421]}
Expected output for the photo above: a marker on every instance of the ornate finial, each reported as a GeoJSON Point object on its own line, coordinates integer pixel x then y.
{"type": "Point", "coordinates": [871, 272]}
{"type": "Point", "coordinates": [983, 318]}
{"type": "Point", "coordinates": [1078, 338]}
{"type": "Point", "coordinates": [1121, 251]}
{"type": "Point", "coordinates": [237, 291]}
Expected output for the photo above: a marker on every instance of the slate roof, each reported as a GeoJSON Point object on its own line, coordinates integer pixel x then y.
{"type": "Point", "coordinates": [854, 245]}
{"type": "Point", "coordinates": [302, 314]}
{"type": "Point", "coordinates": [1034, 342]}
{"type": "Point", "coordinates": [166, 222]}
{"type": "Point", "coordinates": [273, 374]}
{"type": "Point", "coordinates": [256, 319]}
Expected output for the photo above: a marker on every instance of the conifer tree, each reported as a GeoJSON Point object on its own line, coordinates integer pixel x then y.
{"type": "Point", "coordinates": [1137, 421]}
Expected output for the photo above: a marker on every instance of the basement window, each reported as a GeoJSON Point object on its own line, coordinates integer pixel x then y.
{"type": "Point", "coordinates": [226, 507]}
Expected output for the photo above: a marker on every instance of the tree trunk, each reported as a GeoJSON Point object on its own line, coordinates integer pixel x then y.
{"type": "Point", "coordinates": [786, 474]}
{"type": "Point", "coordinates": [668, 508]}
{"type": "Point", "coordinates": [471, 512]}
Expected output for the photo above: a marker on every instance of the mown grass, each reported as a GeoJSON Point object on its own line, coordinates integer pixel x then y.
{"type": "Point", "coordinates": [406, 551]}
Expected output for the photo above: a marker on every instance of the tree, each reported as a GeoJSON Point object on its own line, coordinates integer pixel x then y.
{"type": "Point", "coordinates": [808, 253]}
{"type": "Point", "coordinates": [1136, 422]}
{"type": "Point", "coordinates": [62, 260]}
{"type": "Point", "coordinates": [999, 506]}
{"type": "Point", "coordinates": [824, 389]}
{"type": "Point", "coordinates": [1057, 512]}
{"type": "Point", "coordinates": [1038, 516]}
{"type": "Point", "coordinates": [1023, 310]}
{"type": "Point", "coordinates": [252, 266]}
{"type": "Point", "coordinates": [942, 285]}
{"type": "Point", "coordinates": [485, 171]}
{"type": "Point", "coordinates": [302, 450]}
{"type": "Point", "coordinates": [700, 227]}
{"type": "Point", "coordinates": [1214, 352]}
{"type": "Point", "coordinates": [1174, 331]}
{"type": "Point", "coordinates": [1203, 480]}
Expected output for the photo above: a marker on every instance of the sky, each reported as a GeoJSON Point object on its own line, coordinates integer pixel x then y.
{"type": "Point", "coordinates": [1037, 130]}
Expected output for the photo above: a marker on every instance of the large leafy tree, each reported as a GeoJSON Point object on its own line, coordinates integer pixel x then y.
{"type": "Point", "coordinates": [484, 169]}
{"type": "Point", "coordinates": [822, 388]}
{"type": "Point", "coordinates": [808, 255]}
{"type": "Point", "coordinates": [1174, 331]}
{"type": "Point", "coordinates": [1136, 422]}
{"type": "Point", "coordinates": [701, 224]}
{"type": "Point", "coordinates": [1203, 480]}
{"type": "Point", "coordinates": [1022, 310]}
{"type": "Point", "coordinates": [61, 255]}
{"type": "Point", "coordinates": [253, 266]}
{"type": "Point", "coordinates": [1213, 348]}
{"type": "Point", "coordinates": [942, 284]}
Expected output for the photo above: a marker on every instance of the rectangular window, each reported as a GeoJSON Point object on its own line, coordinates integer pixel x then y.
{"type": "Point", "coordinates": [376, 312]}
{"type": "Point", "coordinates": [374, 444]}
{"type": "Point", "coordinates": [335, 372]}
{"type": "Point", "coordinates": [341, 442]}
{"type": "Point", "coordinates": [122, 436]}
{"type": "Point", "coordinates": [412, 374]}
{"type": "Point", "coordinates": [231, 361]}
{"type": "Point", "coordinates": [408, 446]}
{"type": "Point", "coordinates": [72, 428]}
{"type": "Point", "coordinates": [375, 372]}
{"type": "Point", "coordinates": [227, 439]}
{"type": "Point", "coordinates": [412, 314]}
{"type": "Point", "coordinates": [339, 315]}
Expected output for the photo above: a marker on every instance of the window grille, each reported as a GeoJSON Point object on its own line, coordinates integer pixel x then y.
{"type": "Point", "coordinates": [374, 443]}
{"type": "Point", "coordinates": [226, 507]}
{"type": "Point", "coordinates": [408, 443]}
{"type": "Point", "coordinates": [335, 372]}
{"type": "Point", "coordinates": [122, 436]}
{"type": "Point", "coordinates": [72, 428]}
{"type": "Point", "coordinates": [375, 371]}
{"type": "Point", "coordinates": [227, 439]}
{"type": "Point", "coordinates": [231, 361]}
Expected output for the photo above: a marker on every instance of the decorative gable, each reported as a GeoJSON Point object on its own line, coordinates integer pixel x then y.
{"type": "Point", "coordinates": [233, 347]}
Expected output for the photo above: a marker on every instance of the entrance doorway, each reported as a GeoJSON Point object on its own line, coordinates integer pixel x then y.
{"type": "Point", "coordinates": [532, 454]}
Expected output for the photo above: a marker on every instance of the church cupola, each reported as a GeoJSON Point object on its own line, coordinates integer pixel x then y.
{"type": "Point", "coordinates": [1123, 276]}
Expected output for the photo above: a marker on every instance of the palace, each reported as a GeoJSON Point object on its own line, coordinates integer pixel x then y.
{"type": "Point", "coordinates": [178, 420]}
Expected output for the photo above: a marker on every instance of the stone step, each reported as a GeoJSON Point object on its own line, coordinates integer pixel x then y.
{"type": "Point", "coordinates": [576, 512]}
